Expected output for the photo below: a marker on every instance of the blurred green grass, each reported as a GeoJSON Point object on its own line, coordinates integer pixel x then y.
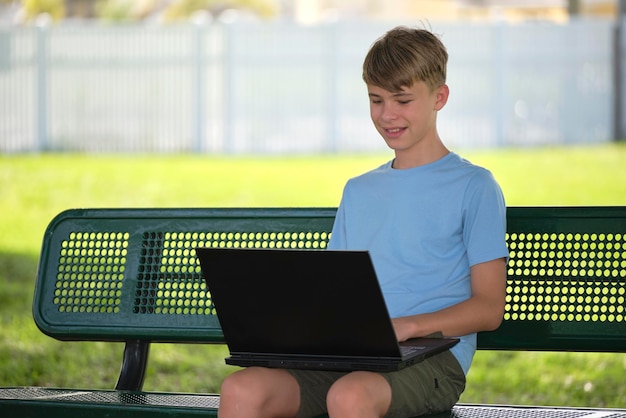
{"type": "Point", "coordinates": [37, 187]}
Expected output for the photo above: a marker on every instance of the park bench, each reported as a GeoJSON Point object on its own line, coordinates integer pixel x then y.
{"type": "Point", "coordinates": [131, 275]}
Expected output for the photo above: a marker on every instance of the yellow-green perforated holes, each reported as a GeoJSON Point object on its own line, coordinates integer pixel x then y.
{"type": "Point", "coordinates": [294, 240]}
{"type": "Point", "coordinates": [576, 277]}
{"type": "Point", "coordinates": [90, 275]}
{"type": "Point", "coordinates": [170, 280]}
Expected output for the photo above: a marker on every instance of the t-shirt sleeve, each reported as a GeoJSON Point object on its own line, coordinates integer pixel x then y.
{"type": "Point", "coordinates": [484, 221]}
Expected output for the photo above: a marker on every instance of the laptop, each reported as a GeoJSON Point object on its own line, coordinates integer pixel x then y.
{"type": "Point", "coordinates": [306, 309]}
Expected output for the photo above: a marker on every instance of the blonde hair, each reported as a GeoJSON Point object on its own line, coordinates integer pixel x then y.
{"type": "Point", "coordinates": [404, 56]}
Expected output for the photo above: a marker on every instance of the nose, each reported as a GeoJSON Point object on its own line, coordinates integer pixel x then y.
{"type": "Point", "coordinates": [387, 113]}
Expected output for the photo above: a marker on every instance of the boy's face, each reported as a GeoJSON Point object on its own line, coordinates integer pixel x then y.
{"type": "Point", "coordinates": [407, 118]}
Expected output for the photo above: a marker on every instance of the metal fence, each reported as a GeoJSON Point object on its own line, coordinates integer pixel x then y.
{"type": "Point", "coordinates": [252, 87]}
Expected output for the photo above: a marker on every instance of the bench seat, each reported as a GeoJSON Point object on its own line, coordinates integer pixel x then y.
{"type": "Point", "coordinates": [28, 402]}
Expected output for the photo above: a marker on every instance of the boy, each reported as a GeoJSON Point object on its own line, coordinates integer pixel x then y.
{"type": "Point", "coordinates": [435, 227]}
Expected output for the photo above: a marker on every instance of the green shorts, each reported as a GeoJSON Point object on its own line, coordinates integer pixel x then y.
{"type": "Point", "coordinates": [431, 386]}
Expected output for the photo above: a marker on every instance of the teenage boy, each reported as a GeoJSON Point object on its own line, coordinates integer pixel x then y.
{"type": "Point", "coordinates": [435, 227]}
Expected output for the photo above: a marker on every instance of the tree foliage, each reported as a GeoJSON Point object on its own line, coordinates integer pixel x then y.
{"type": "Point", "coordinates": [124, 10]}
{"type": "Point", "coordinates": [131, 10]}
{"type": "Point", "coordinates": [54, 8]}
{"type": "Point", "coordinates": [181, 9]}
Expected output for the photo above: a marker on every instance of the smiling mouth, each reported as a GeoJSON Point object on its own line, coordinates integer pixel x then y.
{"type": "Point", "coordinates": [394, 131]}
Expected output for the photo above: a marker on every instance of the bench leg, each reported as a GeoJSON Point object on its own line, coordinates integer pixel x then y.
{"type": "Point", "coordinates": [134, 364]}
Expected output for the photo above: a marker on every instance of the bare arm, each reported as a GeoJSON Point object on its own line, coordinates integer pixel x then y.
{"type": "Point", "coordinates": [483, 311]}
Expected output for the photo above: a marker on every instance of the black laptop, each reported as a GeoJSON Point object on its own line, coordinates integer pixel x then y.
{"type": "Point", "coordinates": [308, 309]}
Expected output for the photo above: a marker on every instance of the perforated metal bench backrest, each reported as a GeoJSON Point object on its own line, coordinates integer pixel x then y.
{"type": "Point", "coordinates": [118, 274]}
{"type": "Point", "coordinates": [566, 280]}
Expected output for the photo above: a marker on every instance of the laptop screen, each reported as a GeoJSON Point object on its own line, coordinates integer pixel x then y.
{"type": "Point", "coordinates": [313, 302]}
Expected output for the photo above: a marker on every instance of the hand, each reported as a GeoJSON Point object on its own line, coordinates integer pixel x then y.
{"type": "Point", "coordinates": [404, 327]}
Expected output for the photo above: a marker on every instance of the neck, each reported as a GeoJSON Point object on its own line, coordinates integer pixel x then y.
{"type": "Point", "coordinates": [419, 156]}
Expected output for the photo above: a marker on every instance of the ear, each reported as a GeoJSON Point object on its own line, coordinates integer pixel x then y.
{"type": "Point", "coordinates": [441, 93]}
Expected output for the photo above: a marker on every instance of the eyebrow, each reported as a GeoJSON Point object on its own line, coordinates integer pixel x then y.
{"type": "Point", "coordinates": [402, 94]}
{"type": "Point", "coordinates": [398, 94]}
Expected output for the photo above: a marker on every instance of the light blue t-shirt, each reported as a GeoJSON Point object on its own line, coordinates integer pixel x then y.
{"type": "Point", "coordinates": [424, 227]}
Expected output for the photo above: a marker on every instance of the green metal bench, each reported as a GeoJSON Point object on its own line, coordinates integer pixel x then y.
{"type": "Point", "coordinates": [131, 275]}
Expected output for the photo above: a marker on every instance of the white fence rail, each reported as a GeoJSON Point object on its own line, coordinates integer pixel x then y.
{"type": "Point", "coordinates": [283, 88]}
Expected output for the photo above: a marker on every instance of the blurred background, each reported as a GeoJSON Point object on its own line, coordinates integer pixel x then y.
{"type": "Point", "coordinates": [284, 76]}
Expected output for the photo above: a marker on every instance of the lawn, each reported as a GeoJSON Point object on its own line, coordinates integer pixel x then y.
{"type": "Point", "coordinates": [37, 187]}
